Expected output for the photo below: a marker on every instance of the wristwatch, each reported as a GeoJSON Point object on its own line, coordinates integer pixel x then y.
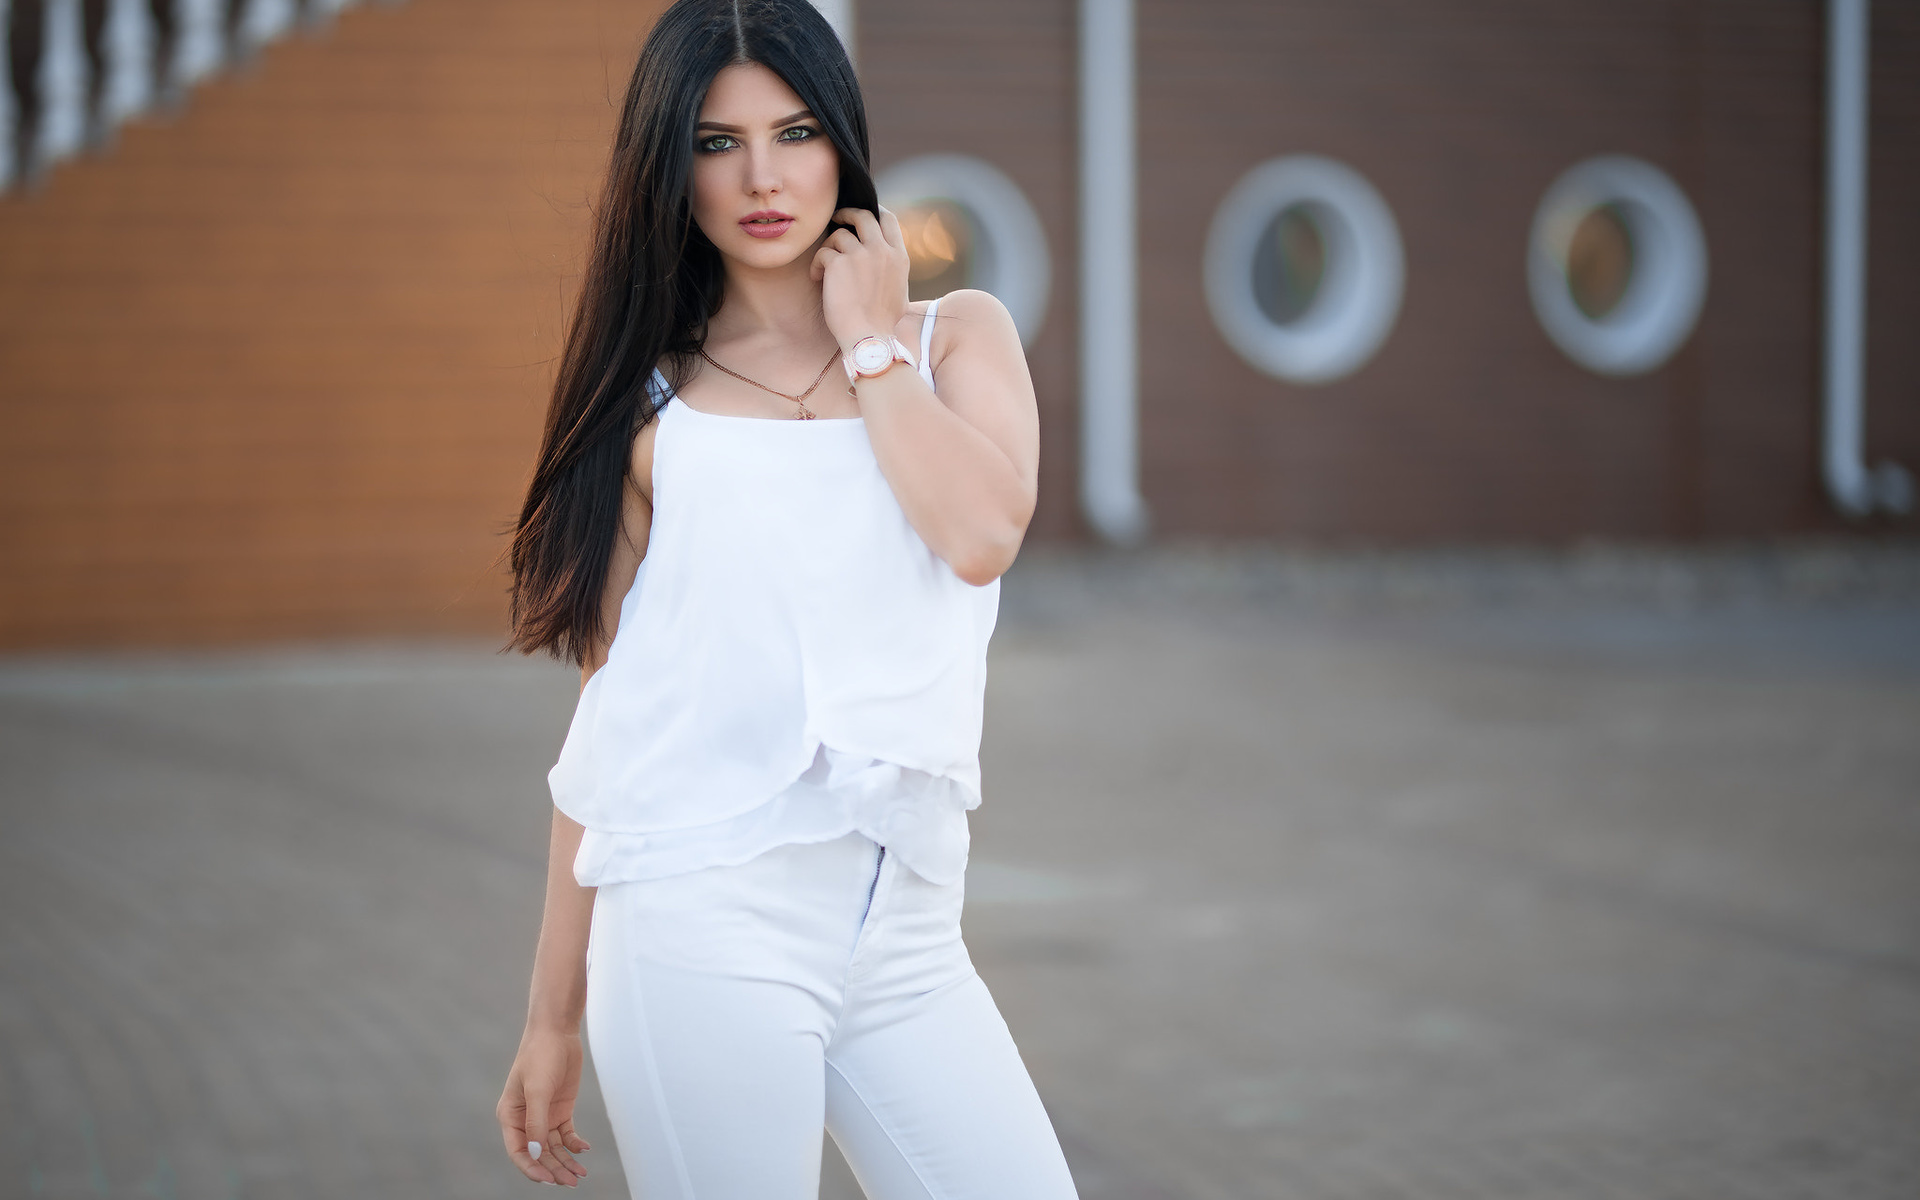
{"type": "Point", "coordinates": [873, 355]}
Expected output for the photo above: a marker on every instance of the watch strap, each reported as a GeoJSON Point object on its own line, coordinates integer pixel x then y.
{"type": "Point", "coordinates": [900, 353]}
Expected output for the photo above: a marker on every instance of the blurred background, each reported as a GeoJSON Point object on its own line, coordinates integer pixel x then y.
{"type": "Point", "coordinates": [1454, 729]}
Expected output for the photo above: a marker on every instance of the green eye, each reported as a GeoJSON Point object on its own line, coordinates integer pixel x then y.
{"type": "Point", "coordinates": [716, 143]}
{"type": "Point", "coordinates": [801, 132]}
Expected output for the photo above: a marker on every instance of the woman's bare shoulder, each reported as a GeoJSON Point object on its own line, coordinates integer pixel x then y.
{"type": "Point", "coordinates": [974, 303]}
{"type": "Point", "coordinates": [970, 318]}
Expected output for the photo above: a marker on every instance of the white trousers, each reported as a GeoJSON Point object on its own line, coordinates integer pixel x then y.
{"type": "Point", "coordinates": [734, 1011]}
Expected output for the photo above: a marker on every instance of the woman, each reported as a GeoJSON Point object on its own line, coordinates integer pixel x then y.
{"type": "Point", "coordinates": [755, 873]}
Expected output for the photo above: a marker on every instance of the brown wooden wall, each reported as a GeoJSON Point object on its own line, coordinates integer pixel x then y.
{"type": "Point", "coordinates": [996, 79]}
{"type": "Point", "coordinates": [1469, 422]}
{"type": "Point", "coordinates": [1893, 280]}
{"type": "Point", "coordinates": [274, 367]}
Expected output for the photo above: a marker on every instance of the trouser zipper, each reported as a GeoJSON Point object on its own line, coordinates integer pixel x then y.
{"type": "Point", "coordinates": [874, 884]}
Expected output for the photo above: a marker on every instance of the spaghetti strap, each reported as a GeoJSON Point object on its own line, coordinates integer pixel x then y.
{"type": "Point", "coordinates": [661, 391]}
{"type": "Point", "coordinates": [926, 343]}
{"type": "Point", "coordinates": [675, 753]}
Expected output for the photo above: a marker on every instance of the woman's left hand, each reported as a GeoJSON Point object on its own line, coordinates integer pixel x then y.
{"type": "Point", "coordinates": [863, 275]}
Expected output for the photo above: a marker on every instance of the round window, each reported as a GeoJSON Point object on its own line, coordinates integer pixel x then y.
{"type": "Point", "coordinates": [1616, 265]}
{"type": "Point", "coordinates": [940, 239]}
{"type": "Point", "coordinates": [1289, 264]}
{"type": "Point", "coordinates": [1304, 269]}
{"type": "Point", "coordinates": [968, 225]}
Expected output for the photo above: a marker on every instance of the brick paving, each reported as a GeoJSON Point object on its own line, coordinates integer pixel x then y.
{"type": "Point", "coordinates": [1358, 878]}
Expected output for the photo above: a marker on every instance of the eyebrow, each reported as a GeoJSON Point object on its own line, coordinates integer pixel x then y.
{"type": "Point", "coordinates": [804, 114]}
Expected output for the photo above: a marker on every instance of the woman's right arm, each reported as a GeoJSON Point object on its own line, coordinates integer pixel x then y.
{"type": "Point", "coordinates": [544, 1081]}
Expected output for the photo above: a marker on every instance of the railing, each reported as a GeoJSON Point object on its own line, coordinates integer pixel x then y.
{"type": "Point", "coordinates": [74, 70]}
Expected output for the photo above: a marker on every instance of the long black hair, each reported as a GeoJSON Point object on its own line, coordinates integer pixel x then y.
{"type": "Point", "coordinates": [652, 281]}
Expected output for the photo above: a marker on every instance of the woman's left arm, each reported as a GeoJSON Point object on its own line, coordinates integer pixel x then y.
{"type": "Point", "coordinates": [964, 464]}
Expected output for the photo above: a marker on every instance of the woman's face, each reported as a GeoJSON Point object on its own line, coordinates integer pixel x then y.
{"type": "Point", "coordinates": [765, 178]}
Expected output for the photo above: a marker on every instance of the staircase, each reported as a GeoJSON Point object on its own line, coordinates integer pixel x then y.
{"type": "Point", "coordinates": [276, 368]}
{"type": "Point", "coordinates": [76, 69]}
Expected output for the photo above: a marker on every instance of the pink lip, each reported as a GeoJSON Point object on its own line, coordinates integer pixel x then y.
{"type": "Point", "coordinates": [766, 223]}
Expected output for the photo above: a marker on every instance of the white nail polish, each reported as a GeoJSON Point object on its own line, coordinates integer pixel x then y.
{"type": "Point", "coordinates": [533, 1149]}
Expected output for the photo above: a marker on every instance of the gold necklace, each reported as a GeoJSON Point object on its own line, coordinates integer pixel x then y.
{"type": "Point", "coordinates": [805, 413]}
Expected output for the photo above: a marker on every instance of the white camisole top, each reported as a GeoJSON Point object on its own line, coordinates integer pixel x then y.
{"type": "Point", "coordinates": [792, 662]}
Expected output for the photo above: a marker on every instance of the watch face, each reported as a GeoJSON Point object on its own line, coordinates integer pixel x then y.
{"type": "Point", "coordinates": [871, 354]}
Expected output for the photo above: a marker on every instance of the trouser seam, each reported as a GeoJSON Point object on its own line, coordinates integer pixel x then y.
{"type": "Point", "coordinates": [892, 1137]}
{"type": "Point", "coordinates": [654, 1082]}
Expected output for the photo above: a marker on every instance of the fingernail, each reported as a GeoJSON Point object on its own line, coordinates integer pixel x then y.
{"type": "Point", "coordinates": [533, 1149]}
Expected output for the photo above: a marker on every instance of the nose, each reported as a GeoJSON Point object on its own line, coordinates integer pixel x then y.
{"type": "Point", "coordinates": [763, 172]}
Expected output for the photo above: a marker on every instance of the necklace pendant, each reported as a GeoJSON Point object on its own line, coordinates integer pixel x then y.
{"type": "Point", "coordinates": [805, 414]}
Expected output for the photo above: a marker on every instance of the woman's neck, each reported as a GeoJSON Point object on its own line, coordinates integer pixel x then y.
{"type": "Point", "coordinates": [781, 304]}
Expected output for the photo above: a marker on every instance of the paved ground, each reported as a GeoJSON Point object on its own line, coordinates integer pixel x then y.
{"type": "Point", "coordinates": [1346, 878]}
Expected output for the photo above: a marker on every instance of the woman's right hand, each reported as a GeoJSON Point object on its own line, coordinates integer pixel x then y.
{"type": "Point", "coordinates": [537, 1106]}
